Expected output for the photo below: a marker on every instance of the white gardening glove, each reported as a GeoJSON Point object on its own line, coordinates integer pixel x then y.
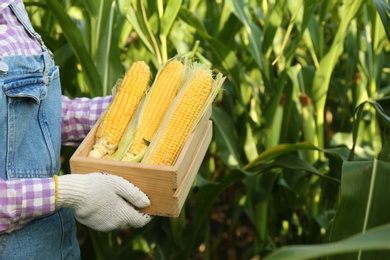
{"type": "Point", "coordinates": [103, 202]}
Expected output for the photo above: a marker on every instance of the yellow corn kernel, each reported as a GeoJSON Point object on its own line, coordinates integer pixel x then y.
{"type": "Point", "coordinates": [121, 109]}
{"type": "Point", "coordinates": [183, 119]}
{"type": "Point", "coordinates": [162, 93]}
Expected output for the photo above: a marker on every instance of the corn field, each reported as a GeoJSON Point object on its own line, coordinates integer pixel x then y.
{"type": "Point", "coordinates": [299, 163]}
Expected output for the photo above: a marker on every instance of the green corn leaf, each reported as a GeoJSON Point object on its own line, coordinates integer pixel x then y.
{"type": "Point", "coordinates": [108, 57]}
{"type": "Point", "coordinates": [170, 16]}
{"type": "Point", "coordinates": [364, 194]}
{"type": "Point", "coordinates": [241, 10]}
{"type": "Point", "coordinates": [383, 8]}
{"type": "Point", "coordinates": [373, 239]}
{"type": "Point", "coordinates": [133, 20]}
{"type": "Point", "coordinates": [224, 137]}
{"type": "Point", "coordinates": [167, 21]}
{"type": "Point", "coordinates": [281, 149]}
{"type": "Point", "coordinates": [224, 53]}
{"type": "Point", "coordinates": [295, 163]}
{"type": "Point", "coordinates": [273, 24]}
{"type": "Point", "coordinates": [259, 193]}
{"type": "Point", "coordinates": [76, 42]}
{"type": "Point", "coordinates": [92, 7]}
{"type": "Point", "coordinates": [328, 62]}
{"type": "Point", "coordinates": [358, 117]}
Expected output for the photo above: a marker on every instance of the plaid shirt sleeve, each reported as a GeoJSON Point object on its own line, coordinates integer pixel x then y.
{"type": "Point", "coordinates": [78, 117]}
{"type": "Point", "coordinates": [22, 200]}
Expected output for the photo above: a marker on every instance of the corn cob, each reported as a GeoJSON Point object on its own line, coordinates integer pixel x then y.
{"type": "Point", "coordinates": [122, 108]}
{"type": "Point", "coordinates": [199, 91]}
{"type": "Point", "coordinates": [157, 103]}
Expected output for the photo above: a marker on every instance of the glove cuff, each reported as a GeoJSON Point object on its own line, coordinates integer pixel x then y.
{"type": "Point", "coordinates": [55, 177]}
{"type": "Point", "coordinates": [70, 190]}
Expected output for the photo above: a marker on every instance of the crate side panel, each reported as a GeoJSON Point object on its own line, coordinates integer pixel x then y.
{"type": "Point", "coordinates": [182, 192]}
{"type": "Point", "coordinates": [148, 180]}
{"type": "Point", "coordinates": [162, 207]}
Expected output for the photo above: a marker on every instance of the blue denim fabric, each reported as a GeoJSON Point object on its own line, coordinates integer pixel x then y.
{"type": "Point", "coordinates": [30, 143]}
{"type": "Point", "coordinates": [31, 99]}
{"type": "Point", "coordinates": [50, 238]}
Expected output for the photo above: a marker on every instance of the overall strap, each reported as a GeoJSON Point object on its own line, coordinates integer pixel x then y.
{"type": "Point", "coordinates": [27, 25]}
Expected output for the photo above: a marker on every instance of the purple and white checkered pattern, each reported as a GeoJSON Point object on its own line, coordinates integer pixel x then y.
{"type": "Point", "coordinates": [78, 117]}
{"type": "Point", "coordinates": [22, 200]}
{"type": "Point", "coordinates": [14, 39]}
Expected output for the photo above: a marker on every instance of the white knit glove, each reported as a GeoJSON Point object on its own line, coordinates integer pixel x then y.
{"type": "Point", "coordinates": [103, 202]}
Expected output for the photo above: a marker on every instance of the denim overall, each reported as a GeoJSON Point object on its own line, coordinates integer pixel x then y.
{"type": "Point", "coordinates": [30, 142]}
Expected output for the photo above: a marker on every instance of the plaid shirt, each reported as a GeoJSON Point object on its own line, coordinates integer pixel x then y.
{"type": "Point", "coordinates": [14, 39]}
{"type": "Point", "coordinates": [78, 117]}
{"type": "Point", "coordinates": [22, 200]}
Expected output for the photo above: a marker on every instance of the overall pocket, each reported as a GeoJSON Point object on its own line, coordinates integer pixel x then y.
{"type": "Point", "coordinates": [34, 121]}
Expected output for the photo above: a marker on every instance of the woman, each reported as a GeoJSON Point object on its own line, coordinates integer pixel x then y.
{"type": "Point", "coordinates": [37, 210]}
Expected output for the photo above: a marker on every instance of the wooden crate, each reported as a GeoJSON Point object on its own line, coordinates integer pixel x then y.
{"type": "Point", "coordinates": [166, 186]}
